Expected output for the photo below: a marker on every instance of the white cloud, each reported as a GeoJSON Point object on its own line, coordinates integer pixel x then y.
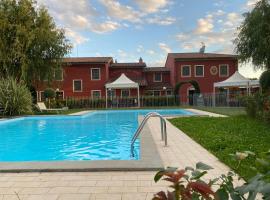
{"type": "Point", "coordinates": [161, 21]}
{"type": "Point", "coordinates": [251, 3]}
{"type": "Point", "coordinates": [151, 52]}
{"type": "Point", "coordinates": [204, 25]}
{"type": "Point", "coordinates": [151, 6]}
{"type": "Point", "coordinates": [75, 37]}
{"type": "Point", "coordinates": [77, 16]}
{"type": "Point", "coordinates": [140, 49]}
{"type": "Point", "coordinates": [164, 47]}
{"type": "Point", "coordinates": [119, 11]}
{"type": "Point", "coordinates": [105, 27]}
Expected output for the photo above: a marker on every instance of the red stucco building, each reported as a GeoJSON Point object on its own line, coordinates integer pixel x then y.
{"type": "Point", "coordinates": [86, 77]}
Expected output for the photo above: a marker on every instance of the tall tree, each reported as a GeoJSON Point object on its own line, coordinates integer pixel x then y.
{"type": "Point", "coordinates": [253, 41]}
{"type": "Point", "coordinates": [31, 46]}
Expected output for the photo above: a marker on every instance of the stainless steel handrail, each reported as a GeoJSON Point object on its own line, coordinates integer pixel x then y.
{"type": "Point", "coordinates": [163, 128]}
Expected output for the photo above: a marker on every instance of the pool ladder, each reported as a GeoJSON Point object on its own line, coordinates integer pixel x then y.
{"type": "Point", "coordinates": [163, 128]}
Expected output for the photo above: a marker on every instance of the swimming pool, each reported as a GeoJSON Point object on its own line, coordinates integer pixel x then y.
{"type": "Point", "coordinates": [99, 135]}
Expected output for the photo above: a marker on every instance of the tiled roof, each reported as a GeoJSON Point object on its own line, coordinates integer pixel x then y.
{"type": "Point", "coordinates": [200, 55]}
{"type": "Point", "coordinates": [87, 60]}
{"type": "Point", "coordinates": [128, 65]}
{"type": "Point", "coordinates": [156, 69]}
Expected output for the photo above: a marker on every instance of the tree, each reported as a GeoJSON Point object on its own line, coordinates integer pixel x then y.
{"type": "Point", "coordinates": [253, 40]}
{"type": "Point", "coordinates": [31, 46]}
{"type": "Point", "coordinates": [265, 81]}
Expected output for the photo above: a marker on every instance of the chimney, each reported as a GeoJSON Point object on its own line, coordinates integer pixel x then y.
{"type": "Point", "coordinates": [140, 60]}
{"type": "Point", "coordinates": [115, 61]}
{"type": "Point", "coordinates": [202, 49]}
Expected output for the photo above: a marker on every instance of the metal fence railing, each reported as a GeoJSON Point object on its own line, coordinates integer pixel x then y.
{"type": "Point", "coordinates": [206, 99]}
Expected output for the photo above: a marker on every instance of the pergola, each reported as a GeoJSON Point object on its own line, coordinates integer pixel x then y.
{"type": "Point", "coordinates": [123, 82]}
{"type": "Point", "coordinates": [236, 80]}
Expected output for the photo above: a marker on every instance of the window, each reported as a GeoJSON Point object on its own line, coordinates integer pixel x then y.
{"type": "Point", "coordinates": [111, 93]}
{"type": "Point", "coordinates": [169, 93]}
{"type": "Point", "coordinates": [95, 74]}
{"type": "Point", "coordinates": [156, 93]}
{"type": "Point", "coordinates": [58, 74]}
{"type": "Point", "coordinates": [77, 85]}
{"type": "Point", "coordinates": [96, 94]}
{"type": "Point", "coordinates": [124, 93]}
{"type": "Point", "coordinates": [223, 70]}
{"type": "Point", "coordinates": [186, 71]}
{"type": "Point", "coordinates": [157, 77]}
{"type": "Point", "coordinates": [60, 95]}
{"type": "Point", "coordinates": [199, 70]}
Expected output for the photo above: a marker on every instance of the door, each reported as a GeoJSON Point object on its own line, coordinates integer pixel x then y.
{"type": "Point", "coordinates": [191, 97]}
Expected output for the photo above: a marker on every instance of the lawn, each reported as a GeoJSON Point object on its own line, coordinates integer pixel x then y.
{"type": "Point", "coordinates": [230, 111]}
{"type": "Point", "coordinates": [225, 136]}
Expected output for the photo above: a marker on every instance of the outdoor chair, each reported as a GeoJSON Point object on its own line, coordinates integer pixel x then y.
{"type": "Point", "coordinates": [42, 107]}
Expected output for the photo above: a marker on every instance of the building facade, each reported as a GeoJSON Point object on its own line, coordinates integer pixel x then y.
{"type": "Point", "coordinates": [86, 77]}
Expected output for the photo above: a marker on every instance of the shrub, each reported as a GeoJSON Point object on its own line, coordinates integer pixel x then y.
{"type": "Point", "coordinates": [49, 93]}
{"type": "Point", "coordinates": [188, 183]}
{"type": "Point", "coordinates": [251, 106]}
{"type": "Point", "coordinates": [15, 97]}
{"type": "Point", "coordinates": [265, 81]}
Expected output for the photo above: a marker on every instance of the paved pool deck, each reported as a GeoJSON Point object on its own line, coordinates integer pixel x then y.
{"type": "Point", "coordinates": [181, 151]}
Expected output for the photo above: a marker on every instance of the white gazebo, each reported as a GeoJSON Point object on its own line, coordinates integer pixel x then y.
{"type": "Point", "coordinates": [236, 80]}
{"type": "Point", "coordinates": [123, 82]}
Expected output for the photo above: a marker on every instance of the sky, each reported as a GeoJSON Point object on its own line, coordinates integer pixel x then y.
{"type": "Point", "coordinates": [129, 29]}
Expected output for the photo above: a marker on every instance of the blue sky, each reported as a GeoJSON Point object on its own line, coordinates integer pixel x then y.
{"type": "Point", "coordinates": [129, 29]}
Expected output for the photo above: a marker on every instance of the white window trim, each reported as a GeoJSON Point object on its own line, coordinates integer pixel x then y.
{"type": "Point", "coordinates": [154, 77]}
{"type": "Point", "coordinates": [195, 70]}
{"type": "Point", "coordinates": [155, 91]}
{"type": "Point", "coordinates": [228, 72]}
{"type": "Point", "coordinates": [40, 95]}
{"type": "Point", "coordinates": [81, 85]}
{"type": "Point", "coordinates": [92, 91]}
{"type": "Point", "coordinates": [127, 90]}
{"type": "Point", "coordinates": [182, 66]}
{"type": "Point", "coordinates": [92, 74]}
{"type": "Point", "coordinates": [62, 75]}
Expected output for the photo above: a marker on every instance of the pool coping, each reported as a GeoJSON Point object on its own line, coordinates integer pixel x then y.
{"type": "Point", "coordinates": [150, 161]}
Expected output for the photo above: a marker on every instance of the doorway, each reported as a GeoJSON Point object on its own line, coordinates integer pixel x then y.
{"type": "Point", "coordinates": [191, 92]}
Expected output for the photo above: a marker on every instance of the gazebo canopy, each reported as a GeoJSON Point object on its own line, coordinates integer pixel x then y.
{"type": "Point", "coordinates": [122, 82]}
{"type": "Point", "coordinates": [237, 80]}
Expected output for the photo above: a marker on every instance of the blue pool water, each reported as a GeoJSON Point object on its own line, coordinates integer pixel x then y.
{"type": "Point", "coordinates": [100, 135]}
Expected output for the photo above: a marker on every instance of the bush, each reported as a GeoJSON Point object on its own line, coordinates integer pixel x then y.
{"type": "Point", "coordinates": [265, 81]}
{"type": "Point", "coordinates": [15, 97]}
{"type": "Point", "coordinates": [49, 93]}
{"type": "Point", "coordinates": [188, 183]}
{"type": "Point", "coordinates": [251, 106]}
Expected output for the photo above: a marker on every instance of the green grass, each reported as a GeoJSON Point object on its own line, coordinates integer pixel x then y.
{"type": "Point", "coordinates": [225, 136]}
{"type": "Point", "coordinates": [230, 111]}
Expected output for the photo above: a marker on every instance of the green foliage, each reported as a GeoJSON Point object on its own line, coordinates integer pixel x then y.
{"type": "Point", "coordinates": [195, 84]}
{"type": "Point", "coordinates": [49, 93]}
{"type": "Point", "coordinates": [258, 106]}
{"type": "Point", "coordinates": [252, 43]}
{"type": "Point", "coordinates": [187, 184]}
{"type": "Point", "coordinates": [251, 106]}
{"type": "Point", "coordinates": [31, 46]}
{"type": "Point", "coordinates": [222, 136]}
{"type": "Point", "coordinates": [265, 81]}
{"type": "Point", "coordinates": [15, 97]}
